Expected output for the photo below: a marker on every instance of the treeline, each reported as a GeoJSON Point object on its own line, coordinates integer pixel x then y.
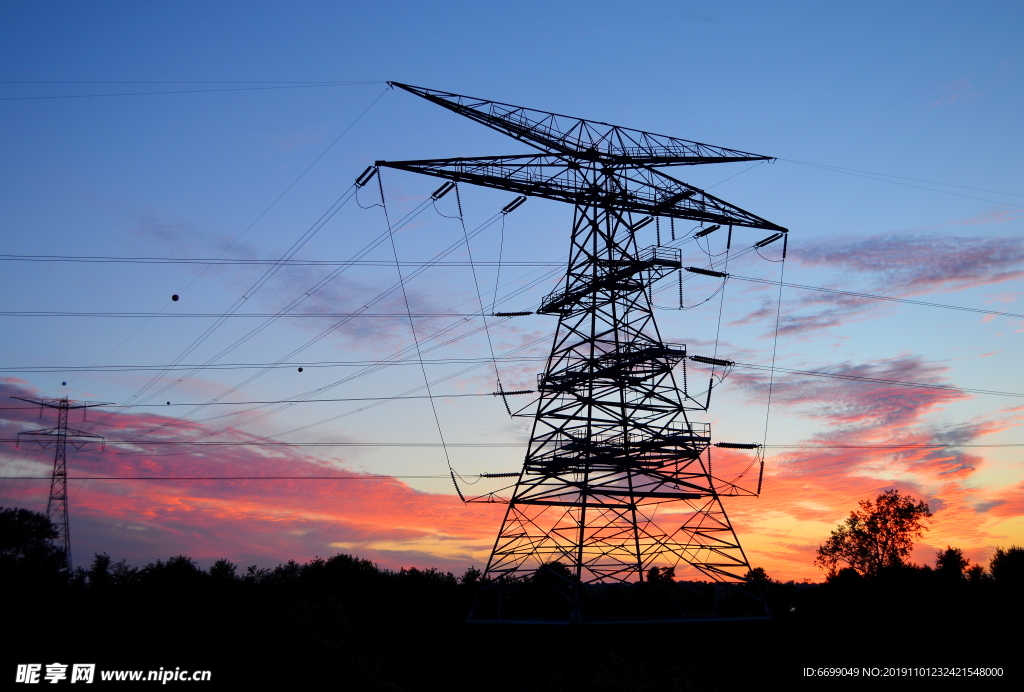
{"type": "Point", "coordinates": [952, 589]}
{"type": "Point", "coordinates": [344, 621]}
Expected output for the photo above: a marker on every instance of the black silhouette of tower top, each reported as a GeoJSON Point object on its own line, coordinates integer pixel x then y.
{"type": "Point", "coordinates": [573, 147]}
{"type": "Point", "coordinates": [612, 444]}
{"type": "Point", "coordinates": [59, 436]}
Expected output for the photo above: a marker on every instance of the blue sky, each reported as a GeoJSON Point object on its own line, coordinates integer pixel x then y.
{"type": "Point", "coordinates": [925, 91]}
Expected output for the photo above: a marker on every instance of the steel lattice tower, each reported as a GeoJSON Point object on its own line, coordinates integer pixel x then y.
{"type": "Point", "coordinates": [612, 441]}
{"type": "Point", "coordinates": [59, 436]}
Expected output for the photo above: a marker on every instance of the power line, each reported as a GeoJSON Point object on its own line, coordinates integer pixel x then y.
{"type": "Point", "coordinates": [243, 261]}
{"type": "Point", "coordinates": [412, 328]}
{"type": "Point", "coordinates": [377, 241]}
{"type": "Point", "coordinates": [481, 361]}
{"type": "Point", "coordinates": [907, 446]}
{"type": "Point", "coordinates": [877, 297]}
{"type": "Point", "coordinates": [299, 401]}
{"type": "Point", "coordinates": [250, 366]}
{"type": "Point", "coordinates": [437, 334]}
{"type": "Point", "coordinates": [200, 315]}
{"type": "Point", "coordinates": [879, 380]}
{"type": "Point", "coordinates": [840, 169]}
{"type": "Point", "coordinates": [218, 478]}
{"type": "Point", "coordinates": [503, 445]}
{"type": "Point", "coordinates": [183, 91]}
{"type": "Point", "coordinates": [856, 294]}
{"type": "Point", "coordinates": [379, 403]}
{"type": "Point", "coordinates": [235, 81]}
{"type": "Point", "coordinates": [204, 443]}
{"type": "Point", "coordinates": [872, 176]}
{"type": "Point", "coordinates": [295, 247]}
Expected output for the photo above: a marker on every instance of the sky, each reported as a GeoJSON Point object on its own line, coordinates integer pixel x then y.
{"type": "Point", "coordinates": [896, 132]}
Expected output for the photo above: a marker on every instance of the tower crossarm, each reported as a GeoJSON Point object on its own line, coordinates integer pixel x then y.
{"type": "Point", "coordinates": [586, 139]}
{"type": "Point", "coordinates": [636, 189]}
{"type": "Point", "coordinates": [65, 432]}
{"type": "Point", "coordinates": [63, 403]}
{"type": "Point", "coordinates": [632, 364]}
{"type": "Point", "coordinates": [624, 275]}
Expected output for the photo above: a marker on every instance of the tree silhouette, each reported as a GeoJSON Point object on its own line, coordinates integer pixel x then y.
{"type": "Point", "coordinates": [224, 571]}
{"type": "Point", "coordinates": [1007, 566]}
{"type": "Point", "coordinates": [758, 575]}
{"type": "Point", "coordinates": [99, 572]}
{"type": "Point", "coordinates": [951, 563]}
{"type": "Point", "coordinates": [472, 577]}
{"type": "Point", "coordinates": [661, 575]}
{"type": "Point", "coordinates": [553, 573]}
{"type": "Point", "coordinates": [878, 536]}
{"type": "Point", "coordinates": [27, 549]}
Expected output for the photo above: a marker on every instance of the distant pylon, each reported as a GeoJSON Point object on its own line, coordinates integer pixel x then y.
{"type": "Point", "coordinates": [57, 505]}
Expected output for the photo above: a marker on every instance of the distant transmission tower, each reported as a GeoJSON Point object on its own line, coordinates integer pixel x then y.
{"type": "Point", "coordinates": [612, 444]}
{"type": "Point", "coordinates": [59, 436]}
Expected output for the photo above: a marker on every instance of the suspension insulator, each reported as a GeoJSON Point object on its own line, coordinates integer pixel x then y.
{"type": "Point", "coordinates": [365, 176]}
{"type": "Point", "coordinates": [713, 361]}
{"type": "Point", "coordinates": [707, 272]}
{"type": "Point", "coordinates": [769, 240]}
{"type": "Point", "coordinates": [513, 205]}
{"type": "Point", "coordinates": [442, 191]}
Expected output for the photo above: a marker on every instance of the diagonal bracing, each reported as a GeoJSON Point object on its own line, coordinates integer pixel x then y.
{"type": "Point", "coordinates": [615, 480]}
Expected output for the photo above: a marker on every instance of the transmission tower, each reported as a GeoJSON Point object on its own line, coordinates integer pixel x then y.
{"type": "Point", "coordinates": [612, 443]}
{"type": "Point", "coordinates": [59, 437]}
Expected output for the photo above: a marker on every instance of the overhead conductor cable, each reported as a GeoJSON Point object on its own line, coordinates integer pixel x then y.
{"type": "Point", "coordinates": [415, 339]}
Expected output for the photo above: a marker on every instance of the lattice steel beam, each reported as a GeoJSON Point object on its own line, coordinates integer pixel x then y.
{"type": "Point", "coordinates": [615, 480]}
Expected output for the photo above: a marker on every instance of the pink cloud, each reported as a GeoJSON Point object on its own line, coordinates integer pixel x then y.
{"type": "Point", "coordinates": [912, 263]}
{"type": "Point", "coordinates": [900, 265]}
{"type": "Point", "coordinates": [849, 461]}
{"type": "Point", "coordinates": [806, 491]}
{"type": "Point", "coordinates": [244, 520]}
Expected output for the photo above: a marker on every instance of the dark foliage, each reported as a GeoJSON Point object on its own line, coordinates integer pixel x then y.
{"type": "Point", "coordinates": [1007, 566]}
{"type": "Point", "coordinates": [879, 536]}
{"type": "Point", "coordinates": [28, 557]}
{"type": "Point", "coordinates": [661, 575]}
{"type": "Point", "coordinates": [950, 564]}
{"type": "Point", "coordinates": [343, 622]}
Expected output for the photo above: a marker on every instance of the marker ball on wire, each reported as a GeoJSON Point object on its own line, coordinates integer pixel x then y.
{"type": "Point", "coordinates": [63, 384]}
{"type": "Point", "coordinates": [175, 297]}
{"type": "Point", "coordinates": [300, 369]}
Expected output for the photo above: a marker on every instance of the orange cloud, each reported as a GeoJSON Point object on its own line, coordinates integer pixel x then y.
{"type": "Point", "coordinates": [248, 521]}
{"type": "Point", "coordinates": [806, 492]}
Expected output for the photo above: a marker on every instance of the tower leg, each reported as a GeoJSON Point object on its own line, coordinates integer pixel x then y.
{"type": "Point", "coordinates": [614, 482]}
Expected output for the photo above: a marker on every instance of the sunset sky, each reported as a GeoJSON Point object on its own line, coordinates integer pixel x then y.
{"type": "Point", "coordinates": [896, 128]}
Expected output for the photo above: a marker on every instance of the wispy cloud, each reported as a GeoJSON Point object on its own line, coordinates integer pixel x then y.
{"type": "Point", "coordinates": [900, 265]}
{"type": "Point", "coordinates": [806, 491]}
{"type": "Point", "coordinates": [914, 263]}
{"type": "Point", "coordinates": [960, 91]}
{"type": "Point", "coordinates": [244, 520]}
